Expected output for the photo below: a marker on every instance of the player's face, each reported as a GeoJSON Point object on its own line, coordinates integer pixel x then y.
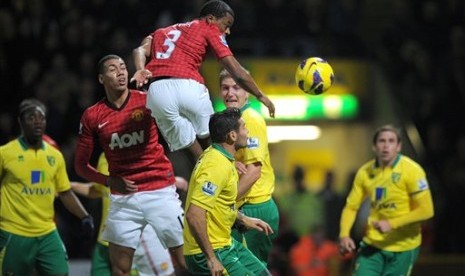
{"type": "Point", "coordinates": [33, 124]}
{"type": "Point", "coordinates": [387, 147]}
{"type": "Point", "coordinates": [241, 136]}
{"type": "Point", "coordinates": [224, 23]}
{"type": "Point", "coordinates": [232, 94]}
{"type": "Point", "coordinates": [115, 75]}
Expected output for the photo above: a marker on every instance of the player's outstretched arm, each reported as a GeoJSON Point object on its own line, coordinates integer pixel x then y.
{"type": "Point", "coordinates": [140, 55]}
{"type": "Point", "coordinates": [85, 189]}
{"type": "Point", "coordinates": [245, 80]}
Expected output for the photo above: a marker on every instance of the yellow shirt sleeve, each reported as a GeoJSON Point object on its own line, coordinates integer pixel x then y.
{"type": "Point", "coordinates": [353, 203]}
{"type": "Point", "coordinates": [61, 178]}
{"type": "Point", "coordinates": [422, 210]}
{"type": "Point", "coordinates": [347, 220]}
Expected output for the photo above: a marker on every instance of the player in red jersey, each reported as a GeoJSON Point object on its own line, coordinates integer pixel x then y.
{"type": "Point", "coordinates": [141, 176]}
{"type": "Point", "coordinates": [177, 96]}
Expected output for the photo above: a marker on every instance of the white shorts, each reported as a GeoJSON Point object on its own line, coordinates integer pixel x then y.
{"type": "Point", "coordinates": [129, 214]}
{"type": "Point", "coordinates": [151, 258]}
{"type": "Point", "coordinates": [182, 110]}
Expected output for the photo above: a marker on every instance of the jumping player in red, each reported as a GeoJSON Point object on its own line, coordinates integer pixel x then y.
{"type": "Point", "coordinates": [177, 96]}
{"type": "Point", "coordinates": [141, 176]}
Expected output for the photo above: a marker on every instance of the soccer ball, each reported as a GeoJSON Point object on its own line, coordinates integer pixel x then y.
{"type": "Point", "coordinates": [314, 75]}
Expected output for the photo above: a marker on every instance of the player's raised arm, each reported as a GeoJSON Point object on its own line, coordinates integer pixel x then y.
{"type": "Point", "coordinates": [140, 55]}
{"type": "Point", "coordinates": [246, 81]}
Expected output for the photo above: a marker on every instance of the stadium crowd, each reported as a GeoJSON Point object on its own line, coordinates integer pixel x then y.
{"type": "Point", "coordinates": [48, 50]}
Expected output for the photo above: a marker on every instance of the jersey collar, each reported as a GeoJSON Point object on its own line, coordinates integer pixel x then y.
{"type": "Point", "coordinates": [396, 161]}
{"type": "Point", "coordinates": [112, 106]}
{"type": "Point", "coordinates": [245, 106]}
{"type": "Point", "coordinates": [223, 151]}
{"type": "Point", "coordinates": [25, 145]}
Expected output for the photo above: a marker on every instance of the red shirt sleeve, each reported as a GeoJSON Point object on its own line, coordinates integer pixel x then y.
{"type": "Point", "coordinates": [84, 149]}
{"type": "Point", "coordinates": [217, 42]}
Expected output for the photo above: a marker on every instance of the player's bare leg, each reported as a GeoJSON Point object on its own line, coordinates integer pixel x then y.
{"type": "Point", "coordinates": [121, 259]}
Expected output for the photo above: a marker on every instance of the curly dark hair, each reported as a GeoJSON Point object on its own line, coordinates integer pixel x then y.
{"type": "Point", "coordinates": [222, 123]}
{"type": "Point", "coordinates": [216, 8]}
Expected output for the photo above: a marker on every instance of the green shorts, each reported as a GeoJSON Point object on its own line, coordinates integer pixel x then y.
{"type": "Point", "coordinates": [19, 255]}
{"type": "Point", "coordinates": [100, 261]}
{"type": "Point", "coordinates": [257, 242]}
{"type": "Point", "coordinates": [236, 259]}
{"type": "Point", "coordinates": [374, 261]}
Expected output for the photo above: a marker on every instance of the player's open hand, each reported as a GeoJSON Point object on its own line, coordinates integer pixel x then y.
{"type": "Point", "coordinates": [269, 104]}
{"type": "Point", "coordinates": [121, 185]}
{"type": "Point", "coordinates": [382, 226]}
{"type": "Point", "coordinates": [216, 268]}
{"type": "Point", "coordinates": [141, 77]}
{"type": "Point", "coordinates": [257, 224]}
{"type": "Point", "coordinates": [346, 245]}
{"type": "Point", "coordinates": [240, 167]}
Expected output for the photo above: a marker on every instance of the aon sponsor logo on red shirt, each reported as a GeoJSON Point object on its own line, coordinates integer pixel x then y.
{"type": "Point", "coordinates": [126, 140]}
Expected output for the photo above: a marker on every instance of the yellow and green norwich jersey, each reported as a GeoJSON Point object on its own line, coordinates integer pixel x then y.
{"type": "Point", "coordinates": [390, 191]}
{"type": "Point", "coordinates": [30, 180]}
{"type": "Point", "coordinates": [102, 167]}
{"type": "Point", "coordinates": [256, 151]}
{"type": "Point", "coordinates": [213, 187]}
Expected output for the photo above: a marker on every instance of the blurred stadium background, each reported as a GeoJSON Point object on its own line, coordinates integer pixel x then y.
{"type": "Point", "coordinates": [395, 61]}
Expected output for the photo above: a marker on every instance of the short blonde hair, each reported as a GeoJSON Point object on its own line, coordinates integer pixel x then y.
{"type": "Point", "coordinates": [386, 128]}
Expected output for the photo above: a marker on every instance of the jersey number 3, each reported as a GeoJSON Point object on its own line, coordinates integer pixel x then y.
{"type": "Point", "coordinates": [172, 37]}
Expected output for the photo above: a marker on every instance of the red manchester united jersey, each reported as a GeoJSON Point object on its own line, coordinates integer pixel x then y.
{"type": "Point", "coordinates": [178, 50]}
{"type": "Point", "coordinates": [129, 138]}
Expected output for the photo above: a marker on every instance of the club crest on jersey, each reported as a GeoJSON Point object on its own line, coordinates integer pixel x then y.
{"type": "Point", "coordinates": [51, 160]}
{"type": "Point", "coordinates": [395, 177]}
{"type": "Point", "coordinates": [209, 188]}
{"type": "Point", "coordinates": [252, 142]}
{"type": "Point", "coordinates": [422, 184]}
{"type": "Point", "coordinates": [137, 115]}
{"type": "Point", "coordinates": [223, 40]}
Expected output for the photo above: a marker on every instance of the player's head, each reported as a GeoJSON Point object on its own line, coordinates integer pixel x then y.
{"type": "Point", "coordinates": [31, 118]}
{"type": "Point", "coordinates": [228, 127]}
{"type": "Point", "coordinates": [219, 13]}
{"type": "Point", "coordinates": [386, 144]}
{"type": "Point", "coordinates": [232, 94]}
{"type": "Point", "coordinates": [112, 73]}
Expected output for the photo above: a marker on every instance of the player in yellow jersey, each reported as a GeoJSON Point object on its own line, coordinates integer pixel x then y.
{"type": "Point", "coordinates": [256, 179]}
{"type": "Point", "coordinates": [150, 257]}
{"type": "Point", "coordinates": [400, 201]}
{"type": "Point", "coordinates": [211, 209]}
{"type": "Point", "coordinates": [32, 172]}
